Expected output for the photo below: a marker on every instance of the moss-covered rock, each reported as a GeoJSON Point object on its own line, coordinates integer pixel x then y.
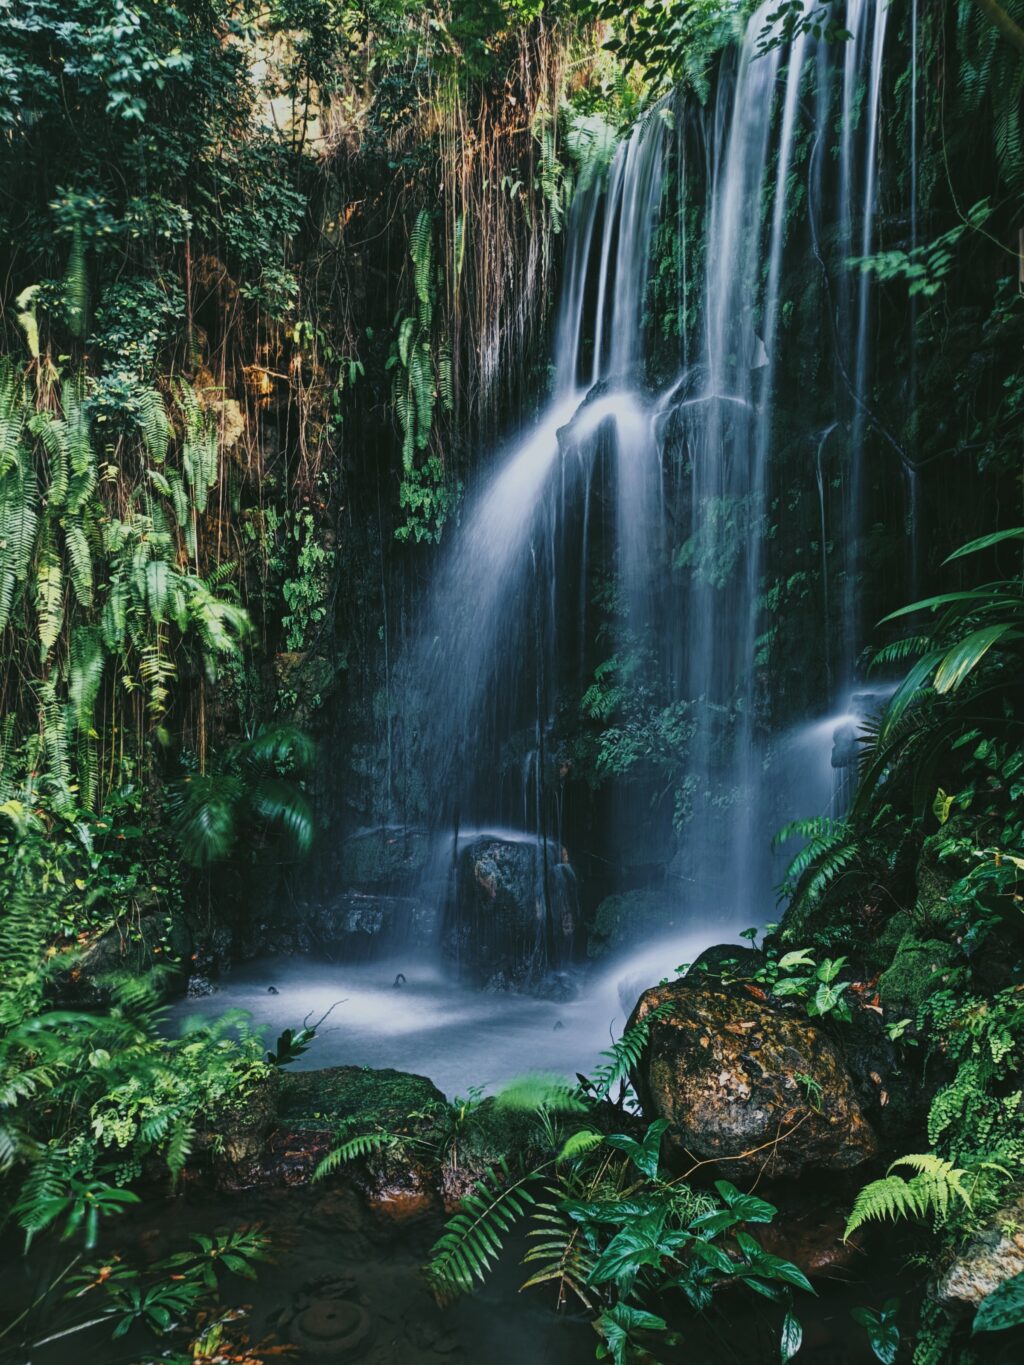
{"type": "Point", "coordinates": [628, 918]}
{"type": "Point", "coordinates": [918, 967]}
{"type": "Point", "coordinates": [994, 1255]}
{"type": "Point", "coordinates": [149, 941]}
{"type": "Point", "coordinates": [337, 1096]}
{"type": "Point", "coordinates": [236, 1129]}
{"type": "Point", "coordinates": [757, 1088]}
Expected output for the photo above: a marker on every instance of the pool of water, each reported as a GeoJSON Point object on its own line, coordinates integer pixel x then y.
{"type": "Point", "coordinates": [436, 1027]}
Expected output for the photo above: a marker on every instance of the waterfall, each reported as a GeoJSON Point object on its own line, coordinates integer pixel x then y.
{"type": "Point", "coordinates": [669, 485]}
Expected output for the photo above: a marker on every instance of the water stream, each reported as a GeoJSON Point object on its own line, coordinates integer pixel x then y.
{"type": "Point", "coordinates": [664, 478]}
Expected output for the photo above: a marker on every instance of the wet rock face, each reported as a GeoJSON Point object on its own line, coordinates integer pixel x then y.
{"type": "Point", "coordinates": [991, 1258]}
{"type": "Point", "coordinates": [732, 1075]}
{"type": "Point", "coordinates": [360, 924]}
{"type": "Point", "coordinates": [133, 945]}
{"type": "Point", "coordinates": [516, 912]}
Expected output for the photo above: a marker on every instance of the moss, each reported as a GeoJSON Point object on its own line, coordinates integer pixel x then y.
{"type": "Point", "coordinates": [919, 967]}
{"type": "Point", "coordinates": [629, 917]}
{"type": "Point", "coordinates": [379, 856]}
{"type": "Point", "coordinates": [354, 1095]}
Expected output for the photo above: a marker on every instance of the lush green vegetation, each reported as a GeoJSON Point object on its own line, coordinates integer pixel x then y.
{"type": "Point", "coordinates": [275, 275]}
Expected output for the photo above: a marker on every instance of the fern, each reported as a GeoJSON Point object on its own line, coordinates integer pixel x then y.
{"type": "Point", "coordinates": [558, 1252]}
{"type": "Point", "coordinates": [538, 1091]}
{"type": "Point", "coordinates": [579, 1144]}
{"type": "Point", "coordinates": [625, 1054]}
{"type": "Point", "coordinates": [87, 660]}
{"type": "Point", "coordinates": [473, 1236]}
{"type": "Point", "coordinates": [76, 286]}
{"type": "Point", "coordinates": [356, 1148]}
{"type": "Point", "coordinates": [49, 595]}
{"type": "Point", "coordinates": [937, 1184]}
{"type": "Point", "coordinates": [421, 249]}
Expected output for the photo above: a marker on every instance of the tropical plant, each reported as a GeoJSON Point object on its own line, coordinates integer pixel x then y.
{"type": "Point", "coordinates": [607, 1226]}
{"type": "Point", "coordinates": [253, 791]}
{"type": "Point", "coordinates": [935, 1187]}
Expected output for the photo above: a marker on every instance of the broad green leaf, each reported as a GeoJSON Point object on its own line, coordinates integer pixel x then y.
{"type": "Point", "coordinates": [1003, 1308]}
{"type": "Point", "coordinates": [966, 654]}
{"type": "Point", "coordinates": [792, 1338]}
{"type": "Point", "coordinates": [984, 542]}
{"type": "Point", "coordinates": [985, 596]}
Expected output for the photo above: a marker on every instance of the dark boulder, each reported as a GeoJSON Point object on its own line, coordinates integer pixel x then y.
{"type": "Point", "coordinates": [754, 1087]}
{"type": "Point", "coordinates": [515, 915]}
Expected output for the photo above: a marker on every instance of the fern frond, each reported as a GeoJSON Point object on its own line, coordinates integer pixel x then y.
{"type": "Point", "coordinates": [558, 1252]}
{"type": "Point", "coordinates": [472, 1239]}
{"type": "Point", "coordinates": [538, 1091]}
{"type": "Point", "coordinates": [625, 1054]}
{"type": "Point", "coordinates": [930, 1192]}
{"type": "Point", "coordinates": [357, 1148]}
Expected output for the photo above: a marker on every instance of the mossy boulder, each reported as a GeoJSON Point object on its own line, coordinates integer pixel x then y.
{"type": "Point", "coordinates": [336, 1096]}
{"type": "Point", "coordinates": [236, 1129]}
{"type": "Point", "coordinates": [148, 941]}
{"type": "Point", "coordinates": [918, 968]}
{"type": "Point", "coordinates": [994, 1255]}
{"type": "Point", "coordinates": [757, 1088]}
{"type": "Point", "coordinates": [629, 918]}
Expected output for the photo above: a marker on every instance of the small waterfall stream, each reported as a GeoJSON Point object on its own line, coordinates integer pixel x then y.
{"type": "Point", "coordinates": [668, 562]}
{"type": "Point", "coordinates": [511, 617]}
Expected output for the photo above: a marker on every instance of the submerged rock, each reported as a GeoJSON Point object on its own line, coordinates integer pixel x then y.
{"type": "Point", "coordinates": [515, 917]}
{"type": "Point", "coordinates": [752, 1086]}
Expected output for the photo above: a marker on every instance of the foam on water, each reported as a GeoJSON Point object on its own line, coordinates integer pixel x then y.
{"type": "Point", "coordinates": [457, 1036]}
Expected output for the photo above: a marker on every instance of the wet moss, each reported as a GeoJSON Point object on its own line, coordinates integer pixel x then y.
{"type": "Point", "coordinates": [919, 967]}
{"type": "Point", "coordinates": [355, 1096]}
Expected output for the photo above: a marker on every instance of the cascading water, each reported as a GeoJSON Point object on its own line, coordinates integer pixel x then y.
{"type": "Point", "coordinates": [702, 459]}
{"type": "Point", "coordinates": [511, 613]}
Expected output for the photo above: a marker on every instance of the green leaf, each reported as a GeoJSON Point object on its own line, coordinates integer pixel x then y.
{"type": "Point", "coordinates": [747, 1207]}
{"type": "Point", "coordinates": [983, 595]}
{"type": "Point", "coordinates": [966, 654]}
{"type": "Point", "coordinates": [985, 542]}
{"type": "Point", "coordinates": [1003, 1308]}
{"type": "Point", "coordinates": [792, 1338]}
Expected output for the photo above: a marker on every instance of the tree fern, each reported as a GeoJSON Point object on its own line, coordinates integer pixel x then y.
{"type": "Point", "coordinates": [937, 1185]}
{"type": "Point", "coordinates": [473, 1236]}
